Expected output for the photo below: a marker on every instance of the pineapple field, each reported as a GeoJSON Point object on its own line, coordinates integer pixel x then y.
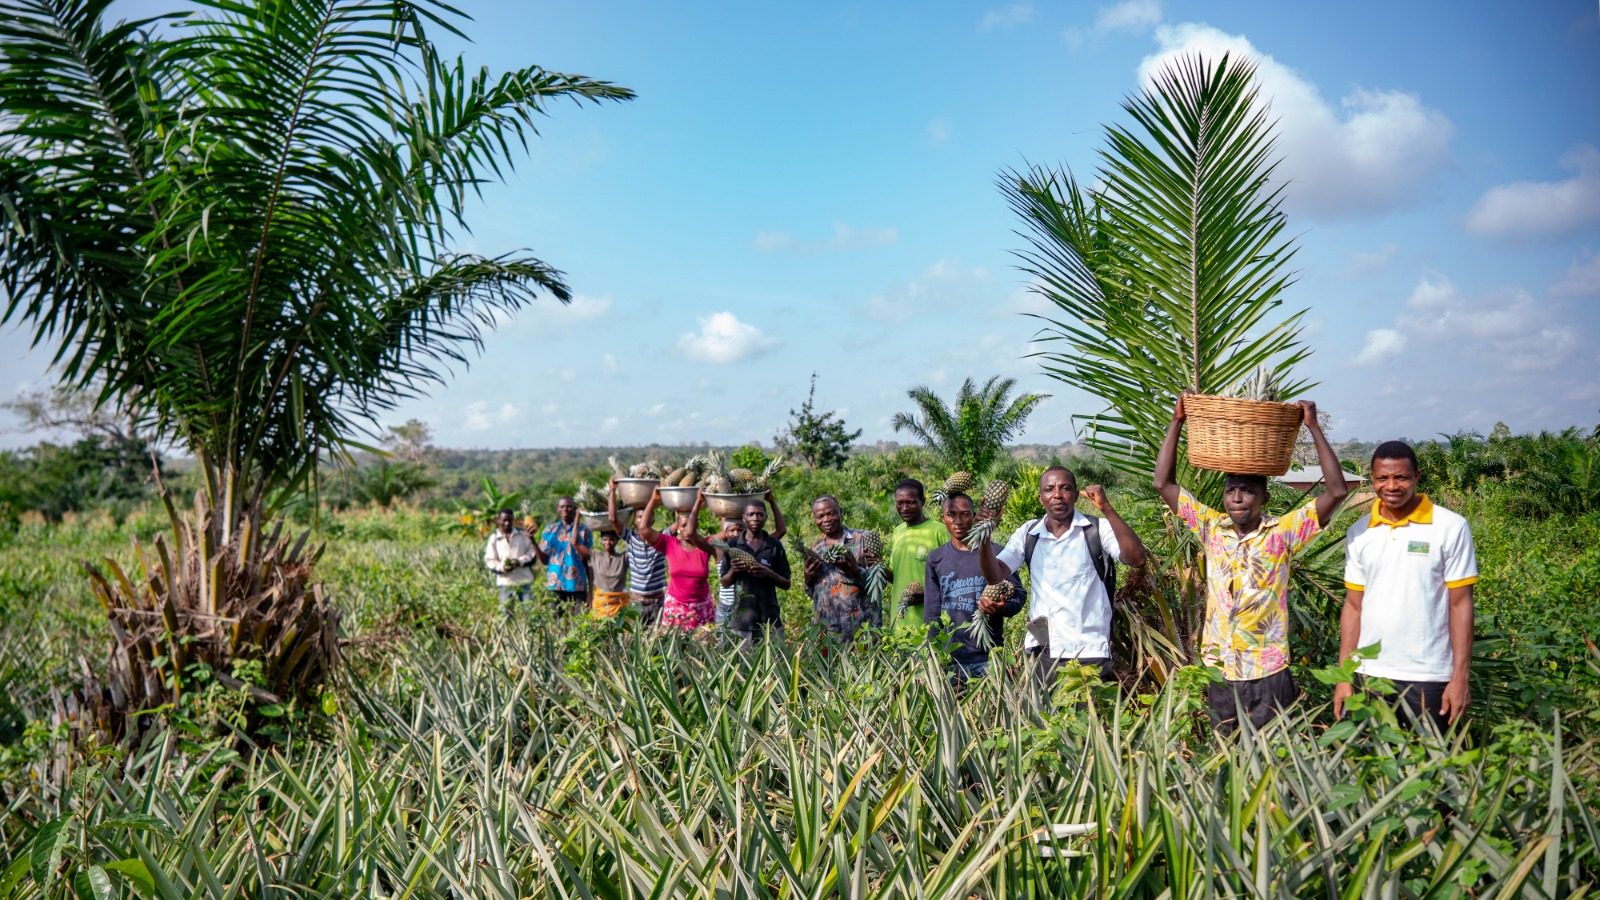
{"type": "Point", "coordinates": [459, 755]}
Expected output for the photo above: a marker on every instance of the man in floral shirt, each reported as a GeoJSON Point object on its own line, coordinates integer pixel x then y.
{"type": "Point", "coordinates": [1247, 576]}
{"type": "Point", "coordinates": [833, 574]}
{"type": "Point", "coordinates": [564, 548]}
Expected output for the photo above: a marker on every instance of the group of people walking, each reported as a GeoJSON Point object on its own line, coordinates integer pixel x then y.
{"type": "Point", "coordinates": [1409, 575]}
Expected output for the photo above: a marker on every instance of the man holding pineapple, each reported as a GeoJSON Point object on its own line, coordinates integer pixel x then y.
{"type": "Point", "coordinates": [1247, 556]}
{"type": "Point", "coordinates": [1069, 557]}
{"type": "Point", "coordinates": [508, 555]}
{"type": "Point", "coordinates": [833, 573]}
{"type": "Point", "coordinates": [909, 545]}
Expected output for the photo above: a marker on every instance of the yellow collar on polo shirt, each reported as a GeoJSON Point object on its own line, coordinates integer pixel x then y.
{"type": "Point", "coordinates": [1422, 514]}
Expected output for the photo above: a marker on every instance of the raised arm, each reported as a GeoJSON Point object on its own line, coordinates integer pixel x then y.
{"type": "Point", "coordinates": [994, 571]}
{"type": "Point", "coordinates": [779, 526]}
{"type": "Point", "coordinates": [1167, 459]}
{"type": "Point", "coordinates": [611, 506]}
{"type": "Point", "coordinates": [647, 532]}
{"type": "Point", "coordinates": [1332, 472]}
{"type": "Point", "coordinates": [694, 537]}
{"type": "Point", "coordinates": [1132, 549]}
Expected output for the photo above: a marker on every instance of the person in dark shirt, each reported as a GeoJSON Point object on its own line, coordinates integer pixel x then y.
{"type": "Point", "coordinates": [755, 612]}
{"type": "Point", "coordinates": [952, 585]}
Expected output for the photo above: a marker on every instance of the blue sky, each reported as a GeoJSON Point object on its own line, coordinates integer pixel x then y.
{"type": "Point", "coordinates": [811, 187]}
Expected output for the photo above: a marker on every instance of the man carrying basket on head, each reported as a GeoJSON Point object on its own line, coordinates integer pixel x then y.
{"type": "Point", "coordinates": [1247, 555]}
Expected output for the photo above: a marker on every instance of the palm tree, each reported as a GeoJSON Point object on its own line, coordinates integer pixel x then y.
{"type": "Point", "coordinates": [971, 434]}
{"type": "Point", "coordinates": [1169, 274]}
{"type": "Point", "coordinates": [242, 215]}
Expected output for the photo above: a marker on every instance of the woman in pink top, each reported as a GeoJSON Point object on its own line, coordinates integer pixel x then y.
{"type": "Point", "coordinates": [688, 604]}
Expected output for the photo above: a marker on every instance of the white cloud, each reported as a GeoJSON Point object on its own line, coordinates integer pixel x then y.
{"type": "Point", "coordinates": [610, 424]}
{"type": "Point", "coordinates": [1381, 344]}
{"type": "Point", "coordinates": [1128, 15]}
{"type": "Point", "coordinates": [1371, 154]}
{"type": "Point", "coordinates": [1507, 331]}
{"type": "Point", "coordinates": [1581, 280]}
{"type": "Point", "coordinates": [479, 417]}
{"type": "Point", "coordinates": [1006, 17]}
{"type": "Point", "coordinates": [938, 131]}
{"type": "Point", "coordinates": [722, 339]}
{"type": "Point", "coordinates": [1370, 262]}
{"type": "Point", "coordinates": [944, 285]}
{"type": "Point", "coordinates": [582, 308]}
{"type": "Point", "coordinates": [844, 237]}
{"type": "Point", "coordinates": [608, 364]}
{"type": "Point", "coordinates": [1533, 209]}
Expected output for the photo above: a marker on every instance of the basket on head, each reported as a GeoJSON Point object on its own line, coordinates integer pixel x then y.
{"type": "Point", "coordinates": [635, 492]}
{"type": "Point", "coordinates": [1244, 437]}
{"type": "Point", "coordinates": [679, 499]}
{"type": "Point", "coordinates": [729, 506]}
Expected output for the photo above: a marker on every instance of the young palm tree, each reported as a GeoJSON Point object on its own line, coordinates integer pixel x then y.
{"type": "Point", "coordinates": [971, 434]}
{"type": "Point", "coordinates": [1169, 275]}
{"type": "Point", "coordinates": [243, 216]}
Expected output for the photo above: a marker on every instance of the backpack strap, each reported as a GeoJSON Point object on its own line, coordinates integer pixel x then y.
{"type": "Point", "coordinates": [1104, 565]}
{"type": "Point", "coordinates": [1029, 542]}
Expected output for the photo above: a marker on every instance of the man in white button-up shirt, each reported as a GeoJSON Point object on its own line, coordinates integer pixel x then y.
{"type": "Point", "coordinates": [1066, 590]}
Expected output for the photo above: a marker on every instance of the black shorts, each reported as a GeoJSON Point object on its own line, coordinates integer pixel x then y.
{"type": "Point", "coordinates": [1259, 699]}
{"type": "Point", "coordinates": [1416, 702]}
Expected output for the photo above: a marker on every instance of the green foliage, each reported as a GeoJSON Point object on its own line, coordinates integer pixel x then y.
{"type": "Point", "coordinates": [820, 440]}
{"type": "Point", "coordinates": [1534, 475]}
{"type": "Point", "coordinates": [971, 434]}
{"type": "Point", "coordinates": [91, 473]}
{"type": "Point", "coordinates": [1171, 273]}
{"type": "Point", "coordinates": [748, 457]}
{"type": "Point", "coordinates": [385, 482]}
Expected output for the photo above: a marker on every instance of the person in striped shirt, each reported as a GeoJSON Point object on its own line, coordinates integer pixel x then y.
{"type": "Point", "coordinates": [647, 567]}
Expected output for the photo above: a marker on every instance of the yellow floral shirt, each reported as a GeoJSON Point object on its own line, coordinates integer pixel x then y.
{"type": "Point", "coordinates": [1247, 586]}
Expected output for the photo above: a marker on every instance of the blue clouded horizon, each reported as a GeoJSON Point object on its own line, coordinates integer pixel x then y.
{"type": "Point", "coordinates": [813, 188]}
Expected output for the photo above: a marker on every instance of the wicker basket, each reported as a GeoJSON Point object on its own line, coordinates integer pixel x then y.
{"type": "Point", "coordinates": [1244, 437]}
{"type": "Point", "coordinates": [635, 492]}
{"type": "Point", "coordinates": [679, 499]}
{"type": "Point", "coordinates": [729, 506]}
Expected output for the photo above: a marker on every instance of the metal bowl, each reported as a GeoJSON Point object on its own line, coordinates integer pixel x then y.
{"type": "Point", "coordinates": [679, 499]}
{"type": "Point", "coordinates": [635, 492]}
{"type": "Point", "coordinates": [730, 506]}
{"type": "Point", "coordinates": [599, 521]}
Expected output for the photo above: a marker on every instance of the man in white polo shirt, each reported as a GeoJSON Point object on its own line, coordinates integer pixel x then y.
{"type": "Point", "coordinates": [1067, 589]}
{"type": "Point", "coordinates": [1408, 577]}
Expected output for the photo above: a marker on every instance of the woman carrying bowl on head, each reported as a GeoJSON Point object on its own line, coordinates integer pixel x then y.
{"type": "Point", "coordinates": [688, 604]}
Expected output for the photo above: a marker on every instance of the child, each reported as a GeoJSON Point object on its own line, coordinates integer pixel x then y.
{"type": "Point", "coordinates": [727, 596]}
{"type": "Point", "coordinates": [610, 577]}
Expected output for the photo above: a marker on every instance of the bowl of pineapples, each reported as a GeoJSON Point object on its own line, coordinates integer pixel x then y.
{"type": "Point", "coordinates": [635, 483]}
{"type": "Point", "coordinates": [730, 491]}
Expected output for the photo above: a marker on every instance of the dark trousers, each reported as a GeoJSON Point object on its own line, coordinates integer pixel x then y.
{"type": "Point", "coordinates": [1046, 667]}
{"type": "Point", "coordinates": [649, 607]}
{"type": "Point", "coordinates": [570, 602]}
{"type": "Point", "coordinates": [1416, 702]}
{"type": "Point", "coordinates": [1258, 699]}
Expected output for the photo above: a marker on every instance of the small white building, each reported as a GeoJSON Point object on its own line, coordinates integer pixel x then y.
{"type": "Point", "coordinates": [1304, 479]}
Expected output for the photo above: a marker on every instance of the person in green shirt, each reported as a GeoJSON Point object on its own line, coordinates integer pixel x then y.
{"type": "Point", "coordinates": [909, 545]}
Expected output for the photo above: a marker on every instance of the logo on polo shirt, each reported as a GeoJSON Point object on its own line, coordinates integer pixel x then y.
{"type": "Point", "coordinates": [1418, 547]}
